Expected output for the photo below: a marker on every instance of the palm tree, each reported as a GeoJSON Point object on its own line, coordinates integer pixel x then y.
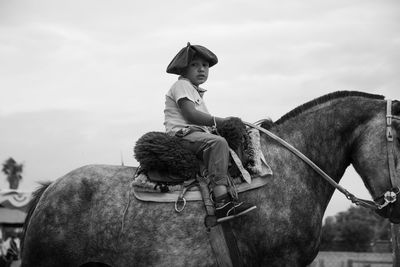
{"type": "Point", "coordinates": [13, 172]}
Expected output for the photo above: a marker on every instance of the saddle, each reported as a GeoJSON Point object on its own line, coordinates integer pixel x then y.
{"type": "Point", "coordinates": [168, 170]}
{"type": "Point", "coordinates": [170, 173]}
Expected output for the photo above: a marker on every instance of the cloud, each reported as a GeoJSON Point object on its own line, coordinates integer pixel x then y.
{"type": "Point", "coordinates": [82, 80]}
{"type": "Point", "coordinates": [54, 142]}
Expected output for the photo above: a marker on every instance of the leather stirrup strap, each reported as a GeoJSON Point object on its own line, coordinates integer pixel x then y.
{"type": "Point", "coordinates": [222, 240]}
{"type": "Point", "coordinates": [230, 239]}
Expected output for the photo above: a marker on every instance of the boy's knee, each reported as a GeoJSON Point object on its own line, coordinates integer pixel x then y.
{"type": "Point", "coordinates": [220, 142]}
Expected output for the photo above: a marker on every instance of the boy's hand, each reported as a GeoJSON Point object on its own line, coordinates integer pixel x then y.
{"type": "Point", "coordinates": [224, 120]}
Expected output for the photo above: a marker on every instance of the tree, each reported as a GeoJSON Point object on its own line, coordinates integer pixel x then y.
{"type": "Point", "coordinates": [329, 234]}
{"type": "Point", "coordinates": [353, 230]}
{"type": "Point", "coordinates": [356, 235]}
{"type": "Point", "coordinates": [13, 172]}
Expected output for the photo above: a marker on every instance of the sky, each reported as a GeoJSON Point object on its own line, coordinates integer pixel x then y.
{"type": "Point", "coordinates": [81, 81]}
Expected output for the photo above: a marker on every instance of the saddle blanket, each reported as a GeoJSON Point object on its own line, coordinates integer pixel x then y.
{"type": "Point", "coordinates": [146, 190]}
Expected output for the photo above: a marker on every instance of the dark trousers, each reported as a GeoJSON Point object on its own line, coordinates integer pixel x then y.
{"type": "Point", "coordinates": [213, 151]}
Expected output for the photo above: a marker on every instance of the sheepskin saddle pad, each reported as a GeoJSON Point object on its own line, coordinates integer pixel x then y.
{"type": "Point", "coordinates": [165, 154]}
{"type": "Point", "coordinates": [167, 167]}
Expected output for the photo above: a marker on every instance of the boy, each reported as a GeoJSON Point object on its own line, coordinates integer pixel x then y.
{"type": "Point", "coordinates": [186, 116]}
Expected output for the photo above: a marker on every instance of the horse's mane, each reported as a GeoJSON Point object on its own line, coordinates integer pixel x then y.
{"type": "Point", "coordinates": [323, 99]}
{"type": "Point", "coordinates": [31, 208]}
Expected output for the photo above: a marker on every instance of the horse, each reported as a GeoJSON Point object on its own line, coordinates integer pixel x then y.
{"type": "Point", "coordinates": [89, 217]}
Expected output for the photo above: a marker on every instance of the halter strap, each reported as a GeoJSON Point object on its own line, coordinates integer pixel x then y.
{"type": "Point", "coordinates": [390, 145]}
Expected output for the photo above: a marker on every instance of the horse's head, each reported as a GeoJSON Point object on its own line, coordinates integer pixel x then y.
{"type": "Point", "coordinates": [376, 157]}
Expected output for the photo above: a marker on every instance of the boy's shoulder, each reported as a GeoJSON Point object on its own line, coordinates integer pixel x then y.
{"type": "Point", "coordinates": [182, 84]}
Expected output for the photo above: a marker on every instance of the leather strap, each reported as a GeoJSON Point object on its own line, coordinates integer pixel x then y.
{"type": "Point", "coordinates": [231, 242]}
{"type": "Point", "coordinates": [218, 242]}
{"type": "Point", "coordinates": [390, 145]}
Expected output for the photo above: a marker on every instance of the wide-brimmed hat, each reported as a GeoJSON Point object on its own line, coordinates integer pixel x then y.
{"type": "Point", "coordinates": [186, 54]}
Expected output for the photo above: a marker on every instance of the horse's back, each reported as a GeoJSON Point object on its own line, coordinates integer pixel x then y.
{"type": "Point", "coordinates": [91, 215]}
{"type": "Point", "coordinates": [80, 211]}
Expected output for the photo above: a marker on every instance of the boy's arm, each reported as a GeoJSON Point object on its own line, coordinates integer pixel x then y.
{"type": "Point", "coordinates": [192, 115]}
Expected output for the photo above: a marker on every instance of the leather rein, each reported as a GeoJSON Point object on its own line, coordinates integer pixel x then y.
{"type": "Point", "coordinates": [389, 196]}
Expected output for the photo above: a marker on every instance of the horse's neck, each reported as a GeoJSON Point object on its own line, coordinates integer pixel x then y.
{"type": "Point", "coordinates": [325, 134]}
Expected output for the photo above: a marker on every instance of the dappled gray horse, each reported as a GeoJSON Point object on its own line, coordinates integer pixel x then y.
{"type": "Point", "coordinates": [90, 215]}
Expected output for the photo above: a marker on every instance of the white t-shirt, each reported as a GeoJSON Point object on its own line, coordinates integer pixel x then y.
{"type": "Point", "coordinates": [173, 118]}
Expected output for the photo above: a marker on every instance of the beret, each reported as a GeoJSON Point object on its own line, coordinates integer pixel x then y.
{"type": "Point", "coordinates": [186, 54]}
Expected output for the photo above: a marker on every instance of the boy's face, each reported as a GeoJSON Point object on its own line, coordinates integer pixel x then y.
{"type": "Point", "coordinates": [197, 71]}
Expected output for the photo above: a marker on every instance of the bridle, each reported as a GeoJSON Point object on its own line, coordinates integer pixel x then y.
{"type": "Point", "coordinates": [388, 197]}
{"type": "Point", "coordinates": [391, 195]}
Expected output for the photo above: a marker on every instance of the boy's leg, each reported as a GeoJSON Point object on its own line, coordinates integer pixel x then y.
{"type": "Point", "coordinates": [213, 150]}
